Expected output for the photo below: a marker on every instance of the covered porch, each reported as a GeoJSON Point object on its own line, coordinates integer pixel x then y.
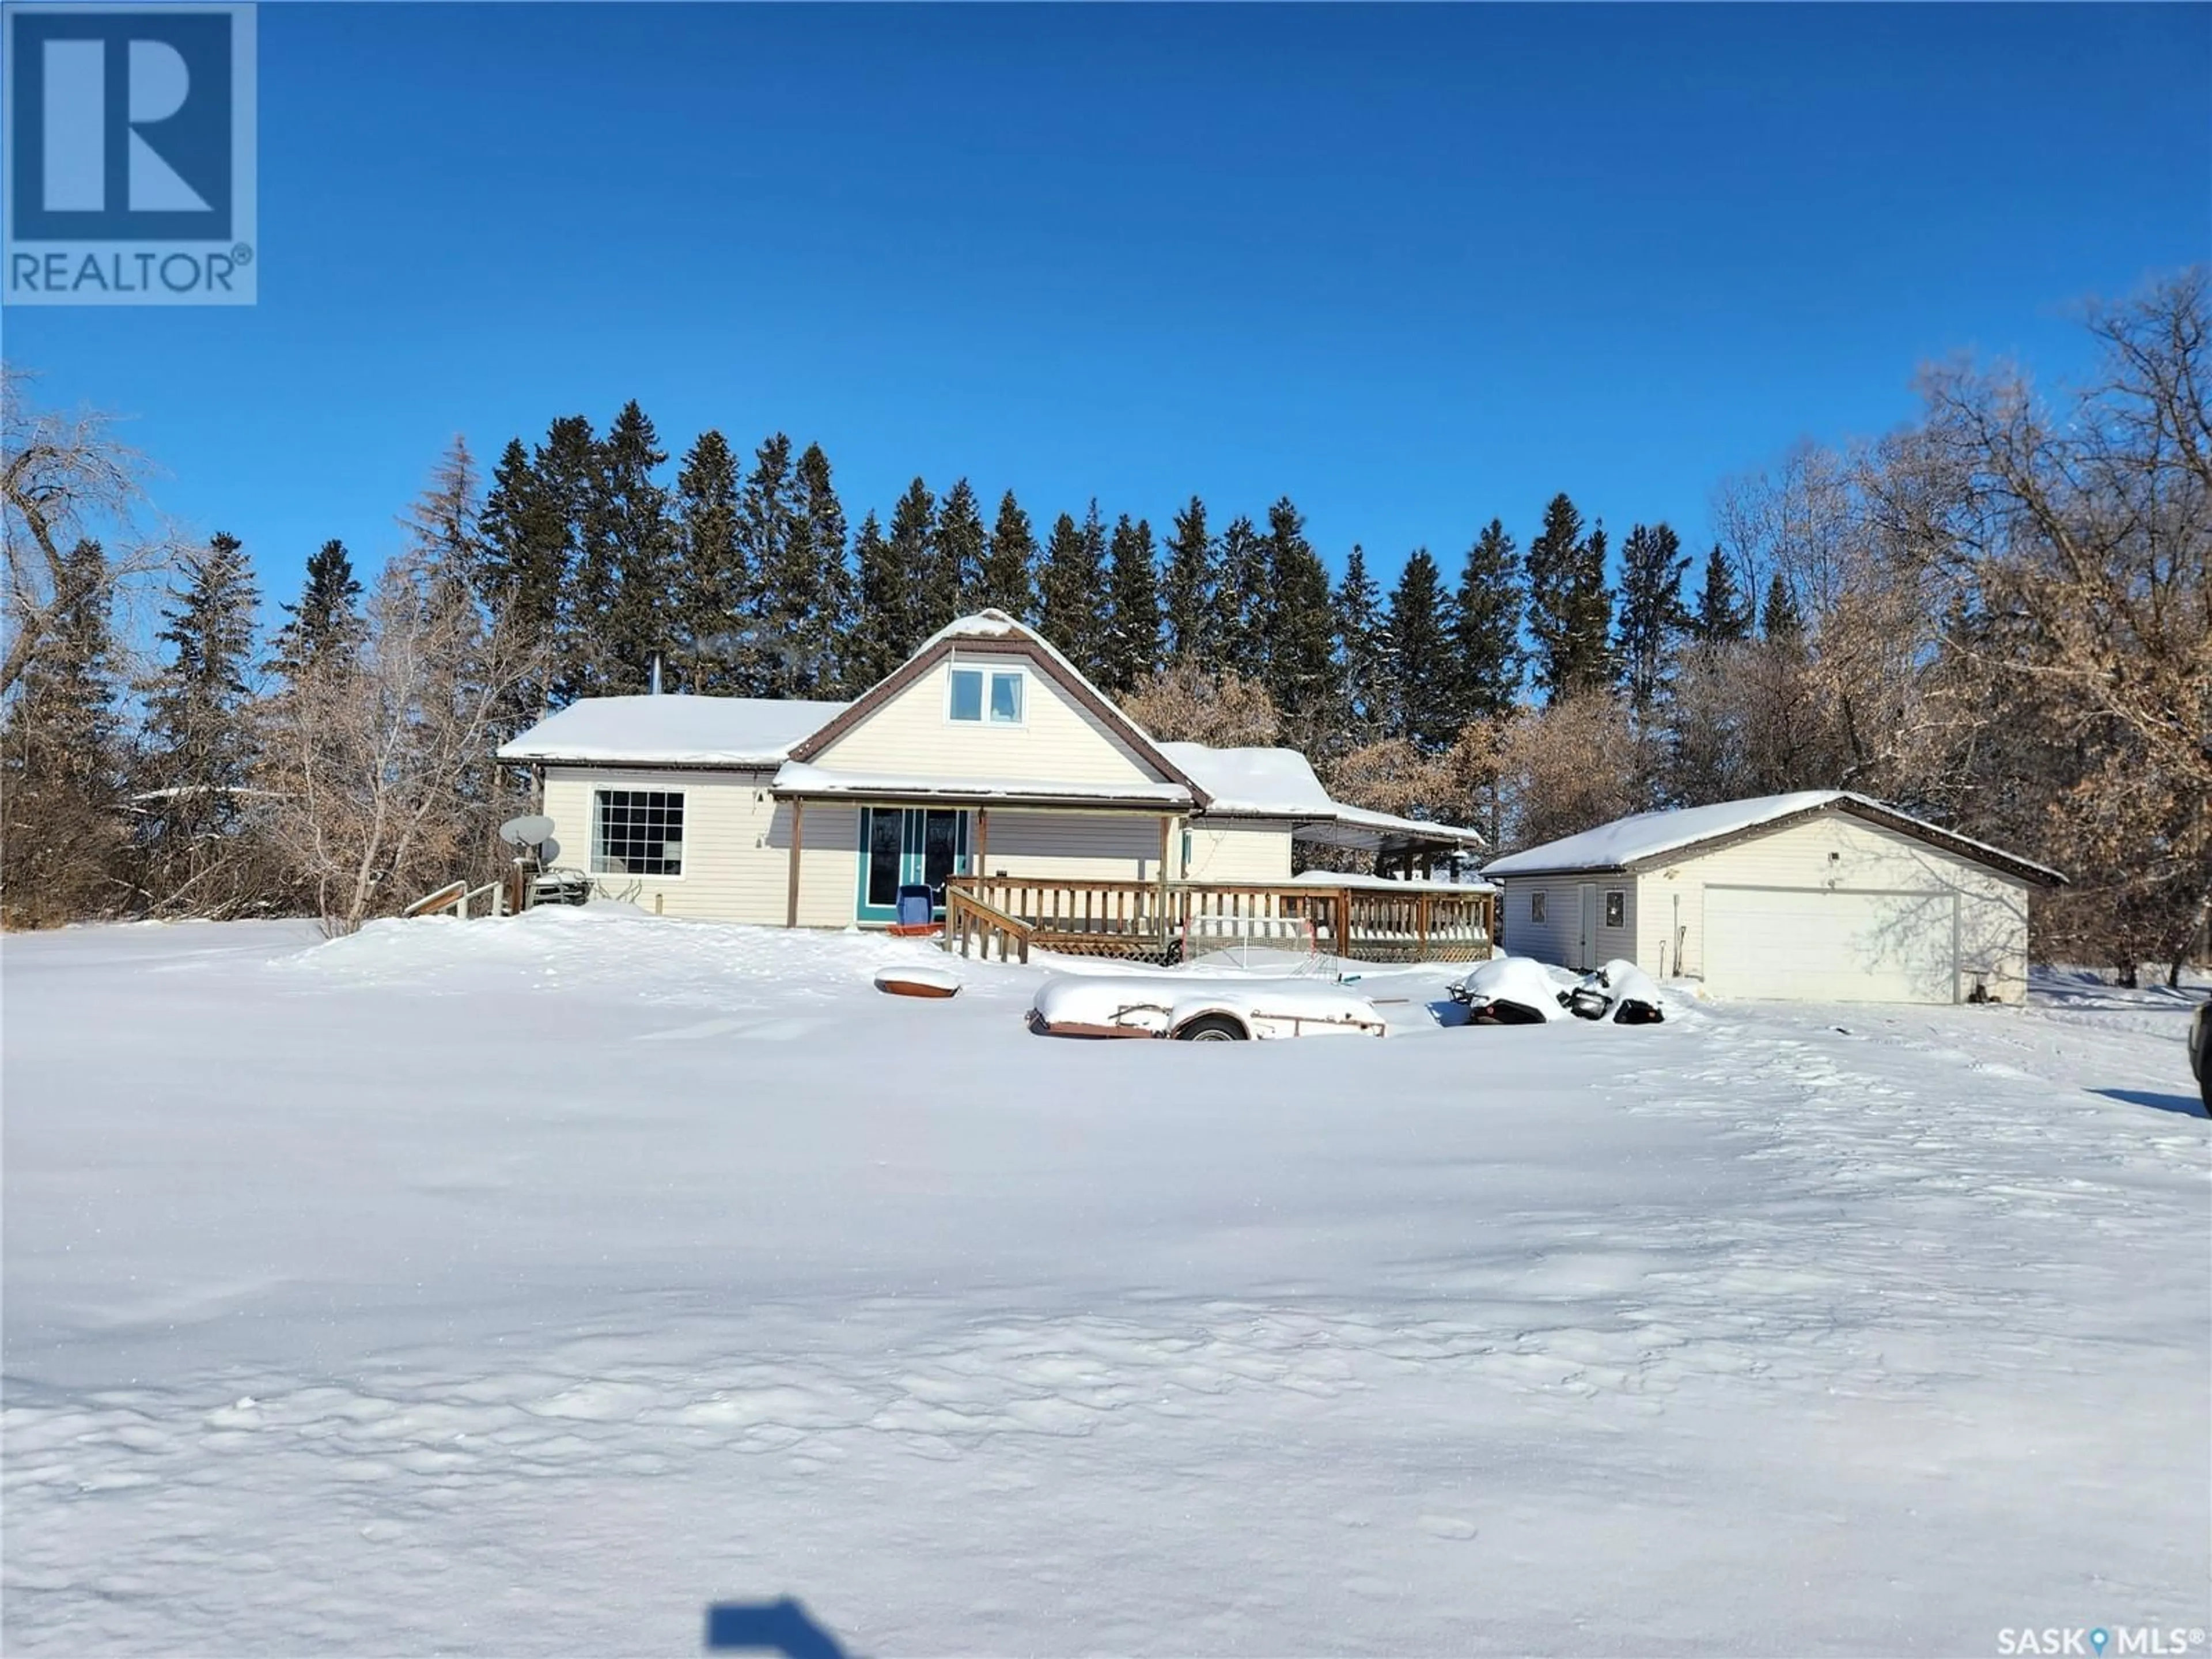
{"type": "Point", "coordinates": [885, 837]}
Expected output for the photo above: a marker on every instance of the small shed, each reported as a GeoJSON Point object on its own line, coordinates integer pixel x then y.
{"type": "Point", "coordinates": [1823, 896]}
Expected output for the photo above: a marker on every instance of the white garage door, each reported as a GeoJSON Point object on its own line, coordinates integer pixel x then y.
{"type": "Point", "coordinates": [1810, 945]}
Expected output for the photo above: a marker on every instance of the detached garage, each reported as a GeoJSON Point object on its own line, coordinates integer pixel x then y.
{"type": "Point", "coordinates": [1819, 896]}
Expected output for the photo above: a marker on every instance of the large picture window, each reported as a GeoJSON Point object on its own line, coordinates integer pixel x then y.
{"type": "Point", "coordinates": [637, 832]}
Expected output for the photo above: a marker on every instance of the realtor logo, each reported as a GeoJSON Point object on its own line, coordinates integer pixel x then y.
{"type": "Point", "coordinates": [130, 176]}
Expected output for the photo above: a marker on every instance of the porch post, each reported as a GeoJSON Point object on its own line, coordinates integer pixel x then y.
{"type": "Point", "coordinates": [982, 840]}
{"type": "Point", "coordinates": [790, 890]}
{"type": "Point", "coordinates": [1167, 836]}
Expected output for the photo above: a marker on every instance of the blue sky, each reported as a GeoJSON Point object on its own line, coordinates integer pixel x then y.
{"type": "Point", "coordinates": [1415, 266]}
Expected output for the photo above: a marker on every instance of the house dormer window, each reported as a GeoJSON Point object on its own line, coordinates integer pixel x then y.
{"type": "Point", "coordinates": [986, 696]}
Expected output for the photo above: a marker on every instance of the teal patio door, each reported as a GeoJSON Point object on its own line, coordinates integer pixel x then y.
{"type": "Point", "coordinates": [901, 846]}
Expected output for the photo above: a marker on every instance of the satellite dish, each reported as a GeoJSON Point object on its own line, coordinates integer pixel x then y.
{"type": "Point", "coordinates": [548, 850]}
{"type": "Point", "coordinates": [533, 831]}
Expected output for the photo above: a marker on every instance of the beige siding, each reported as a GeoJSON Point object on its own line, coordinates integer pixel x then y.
{"type": "Point", "coordinates": [828, 860]}
{"type": "Point", "coordinates": [737, 846]}
{"type": "Point", "coordinates": [1058, 741]}
{"type": "Point", "coordinates": [730, 870]}
{"type": "Point", "coordinates": [1558, 937]}
{"type": "Point", "coordinates": [1238, 850]}
{"type": "Point", "coordinates": [1088, 845]}
{"type": "Point", "coordinates": [1855, 856]}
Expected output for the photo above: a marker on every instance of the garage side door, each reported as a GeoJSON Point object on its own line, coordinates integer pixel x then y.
{"type": "Point", "coordinates": [1808, 944]}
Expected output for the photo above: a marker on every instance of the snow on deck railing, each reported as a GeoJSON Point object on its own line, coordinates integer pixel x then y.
{"type": "Point", "coordinates": [456, 899]}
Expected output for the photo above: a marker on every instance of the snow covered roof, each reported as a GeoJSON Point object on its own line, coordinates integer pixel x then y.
{"type": "Point", "coordinates": [678, 730]}
{"type": "Point", "coordinates": [1253, 782]}
{"type": "Point", "coordinates": [1390, 824]}
{"type": "Point", "coordinates": [799, 778]}
{"type": "Point", "coordinates": [673, 730]}
{"type": "Point", "coordinates": [1280, 783]}
{"type": "Point", "coordinates": [986, 624]}
{"type": "Point", "coordinates": [1629, 841]}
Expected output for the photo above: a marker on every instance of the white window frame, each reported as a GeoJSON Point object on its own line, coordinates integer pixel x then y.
{"type": "Point", "coordinates": [1615, 898]}
{"type": "Point", "coordinates": [953, 716]}
{"type": "Point", "coordinates": [600, 865]}
{"type": "Point", "coordinates": [1538, 907]}
{"type": "Point", "coordinates": [990, 675]}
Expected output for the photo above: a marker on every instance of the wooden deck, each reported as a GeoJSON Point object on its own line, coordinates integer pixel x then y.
{"type": "Point", "coordinates": [1168, 921]}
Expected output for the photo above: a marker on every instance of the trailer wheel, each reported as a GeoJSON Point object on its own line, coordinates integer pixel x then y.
{"type": "Point", "coordinates": [1212, 1027]}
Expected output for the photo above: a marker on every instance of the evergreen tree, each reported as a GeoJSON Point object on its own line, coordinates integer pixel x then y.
{"type": "Point", "coordinates": [61, 840]}
{"type": "Point", "coordinates": [328, 621]}
{"type": "Point", "coordinates": [1779, 618]}
{"type": "Point", "coordinates": [1300, 629]}
{"type": "Point", "coordinates": [1241, 600]}
{"type": "Point", "coordinates": [913, 531]}
{"type": "Point", "coordinates": [1006, 583]}
{"type": "Point", "coordinates": [526, 537]}
{"type": "Point", "coordinates": [1187, 593]}
{"type": "Point", "coordinates": [443, 522]}
{"type": "Point", "coordinates": [712, 580]}
{"type": "Point", "coordinates": [1570, 607]}
{"type": "Point", "coordinates": [1551, 587]}
{"type": "Point", "coordinates": [874, 646]}
{"type": "Point", "coordinates": [1486, 628]}
{"type": "Point", "coordinates": [534, 532]}
{"type": "Point", "coordinates": [1362, 648]}
{"type": "Point", "coordinates": [824, 615]}
{"type": "Point", "coordinates": [631, 528]}
{"type": "Point", "coordinates": [1132, 628]}
{"type": "Point", "coordinates": [68, 692]}
{"type": "Point", "coordinates": [1722, 616]}
{"type": "Point", "coordinates": [199, 735]}
{"type": "Point", "coordinates": [786, 573]}
{"type": "Point", "coordinates": [1590, 667]}
{"type": "Point", "coordinates": [955, 573]}
{"type": "Point", "coordinates": [1071, 611]}
{"type": "Point", "coordinates": [1422, 665]}
{"type": "Point", "coordinates": [1652, 564]}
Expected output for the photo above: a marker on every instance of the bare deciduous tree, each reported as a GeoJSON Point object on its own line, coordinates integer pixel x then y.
{"type": "Point", "coordinates": [65, 477]}
{"type": "Point", "coordinates": [1570, 767]}
{"type": "Point", "coordinates": [2068, 557]}
{"type": "Point", "coordinates": [371, 759]}
{"type": "Point", "coordinates": [1187, 703]}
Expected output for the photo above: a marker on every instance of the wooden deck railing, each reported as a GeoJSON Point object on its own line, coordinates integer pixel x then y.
{"type": "Point", "coordinates": [969, 921]}
{"type": "Point", "coordinates": [1161, 922]}
{"type": "Point", "coordinates": [1078, 918]}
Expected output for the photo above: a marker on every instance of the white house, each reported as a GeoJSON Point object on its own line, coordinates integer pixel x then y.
{"type": "Point", "coordinates": [985, 753]}
{"type": "Point", "coordinates": [1822, 896]}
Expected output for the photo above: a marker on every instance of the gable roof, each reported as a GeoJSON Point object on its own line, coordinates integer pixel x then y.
{"type": "Point", "coordinates": [1631, 842]}
{"type": "Point", "coordinates": [988, 632]}
{"type": "Point", "coordinates": [674, 729]}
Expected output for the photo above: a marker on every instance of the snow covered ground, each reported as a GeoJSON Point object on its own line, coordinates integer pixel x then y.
{"type": "Point", "coordinates": [523, 1287]}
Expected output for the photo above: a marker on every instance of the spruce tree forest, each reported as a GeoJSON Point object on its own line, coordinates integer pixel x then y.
{"type": "Point", "coordinates": [1997, 617]}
